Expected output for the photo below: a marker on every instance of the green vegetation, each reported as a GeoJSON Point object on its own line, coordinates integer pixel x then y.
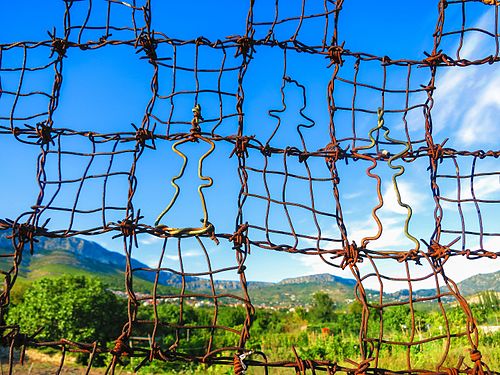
{"type": "Point", "coordinates": [80, 308]}
{"type": "Point", "coordinates": [49, 261]}
{"type": "Point", "coordinates": [76, 308]}
{"type": "Point", "coordinates": [313, 313]}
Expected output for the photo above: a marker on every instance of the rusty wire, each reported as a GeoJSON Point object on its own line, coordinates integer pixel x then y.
{"type": "Point", "coordinates": [345, 146]}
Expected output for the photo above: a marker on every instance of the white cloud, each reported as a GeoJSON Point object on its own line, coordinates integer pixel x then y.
{"type": "Point", "coordinates": [315, 265]}
{"type": "Point", "coordinates": [356, 194]}
{"type": "Point", "coordinates": [392, 216]}
{"type": "Point", "coordinates": [460, 268]}
{"type": "Point", "coordinates": [480, 121]}
{"type": "Point", "coordinates": [150, 240]}
{"type": "Point", "coordinates": [457, 268]}
{"type": "Point", "coordinates": [467, 109]}
{"type": "Point", "coordinates": [470, 48]}
{"type": "Point", "coordinates": [485, 187]}
{"type": "Point", "coordinates": [467, 99]}
{"type": "Point", "coordinates": [409, 195]}
{"type": "Point", "coordinates": [185, 254]}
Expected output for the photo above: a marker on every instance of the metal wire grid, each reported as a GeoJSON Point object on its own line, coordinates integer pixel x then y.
{"type": "Point", "coordinates": [348, 147]}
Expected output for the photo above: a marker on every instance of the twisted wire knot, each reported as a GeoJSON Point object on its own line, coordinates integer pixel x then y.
{"type": "Point", "coordinates": [239, 365]}
{"type": "Point", "coordinates": [438, 251]}
{"type": "Point", "coordinates": [334, 153]}
{"type": "Point", "coordinates": [57, 45]}
{"type": "Point", "coordinates": [436, 152]}
{"type": "Point", "coordinates": [246, 45]}
{"type": "Point", "coordinates": [240, 146]}
{"type": "Point", "coordinates": [303, 156]}
{"type": "Point", "coordinates": [43, 133]}
{"type": "Point", "coordinates": [386, 60]}
{"type": "Point", "coordinates": [197, 118]}
{"type": "Point", "coordinates": [239, 237]}
{"type": "Point", "coordinates": [143, 135]}
{"type": "Point", "coordinates": [27, 233]}
{"type": "Point", "coordinates": [121, 347]}
{"type": "Point", "coordinates": [412, 254]}
{"type": "Point", "coordinates": [475, 356]}
{"type": "Point", "coordinates": [351, 255]}
{"type": "Point", "coordinates": [266, 150]}
{"type": "Point", "coordinates": [148, 46]}
{"type": "Point", "coordinates": [128, 226]}
{"type": "Point", "coordinates": [335, 54]}
{"type": "Point", "coordinates": [436, 58]}
{"type": "Point", "coordinates": [361, 366]}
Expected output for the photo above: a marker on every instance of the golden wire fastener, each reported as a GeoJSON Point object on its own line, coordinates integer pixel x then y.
{"type": "Point", "coordinates": [400, 171]}
{"type": "Point", "coordinates": [207, 227]}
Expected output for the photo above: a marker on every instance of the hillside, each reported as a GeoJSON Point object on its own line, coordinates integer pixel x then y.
{"type": "Point", "coordinates": [299, 290]}
{"type": "Point", "coordinates": [480, 282]}
{"type": "Point", "coordinates": [53, 257]}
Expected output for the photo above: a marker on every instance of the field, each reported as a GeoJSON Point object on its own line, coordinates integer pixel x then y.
{"type": "Point", "coordinates": [324, 331]}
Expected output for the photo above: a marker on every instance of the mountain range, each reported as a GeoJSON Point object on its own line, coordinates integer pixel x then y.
{"type": "Point", "coordinates": [53, 257]}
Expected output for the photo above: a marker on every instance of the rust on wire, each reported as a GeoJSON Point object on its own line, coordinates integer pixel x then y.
{"type": "Point", "coordinates": [332, 153]}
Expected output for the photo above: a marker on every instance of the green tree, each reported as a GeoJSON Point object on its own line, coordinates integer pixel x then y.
{"type": "Point", "coordinates": [322, 309]}
{"type": "Point", "coordinates": [77, 308]}
{"type": "Point", "coordinates": [396, 318]}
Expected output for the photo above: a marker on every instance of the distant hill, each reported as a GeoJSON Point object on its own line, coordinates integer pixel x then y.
{"type": "Point", "coordinates": [299, 290]}
{"type": "Point", "coordinates": [322, 279]}
{"type": "Point", "coordinates": [480, 282]}
{"type": "Point", "coordinates": [56, 256]}
{"type": "Point", "coordinates": [468, 287]}
{"type": "Point", "coordinates": [53, 257]}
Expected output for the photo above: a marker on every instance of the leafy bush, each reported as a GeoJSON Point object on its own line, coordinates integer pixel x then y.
{"type": "Point", "coordinates": [77, 308]}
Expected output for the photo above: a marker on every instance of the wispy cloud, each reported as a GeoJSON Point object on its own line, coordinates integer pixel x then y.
{"type": "Point", "coordinates": [467, 103]}
{"type": "Point", "coordinates": [392, 236]}
{"type": "Point", "coordinates": [461, 268]}
{"type": "Point", "coordinates": [354, 195]}
{"type": "Point", "coordinates": [409, 195]}
{"type": "Point", "coordinates": [466, 109]}
{"type": "Point", "coordinates": [313, 264]}
{"type": "Point", "coordinates": [185, 254]}
{"type": "Point", "coordinates": [392, 217]}
{"type": "Point", "coordinates": [480, 121]}
{"type": "Point", "coordinates": [150, 240]}
{"type": "Point", "coordinates": [487, 187]}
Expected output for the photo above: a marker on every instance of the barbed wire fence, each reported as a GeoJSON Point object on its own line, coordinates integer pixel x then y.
{"type": "Point", "coordinates": [345, 147]}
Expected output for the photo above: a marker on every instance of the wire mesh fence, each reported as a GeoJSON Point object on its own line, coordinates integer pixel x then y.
{"type": "Point", "coordinates": [374, 127]}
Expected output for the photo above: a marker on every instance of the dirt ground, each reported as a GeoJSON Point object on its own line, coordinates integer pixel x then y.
{"type": "Point", "coordinates": [37, 363]}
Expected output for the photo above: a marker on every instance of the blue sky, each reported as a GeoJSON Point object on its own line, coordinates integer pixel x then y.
{"type": "Point", "coordinates": [108, 89]}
